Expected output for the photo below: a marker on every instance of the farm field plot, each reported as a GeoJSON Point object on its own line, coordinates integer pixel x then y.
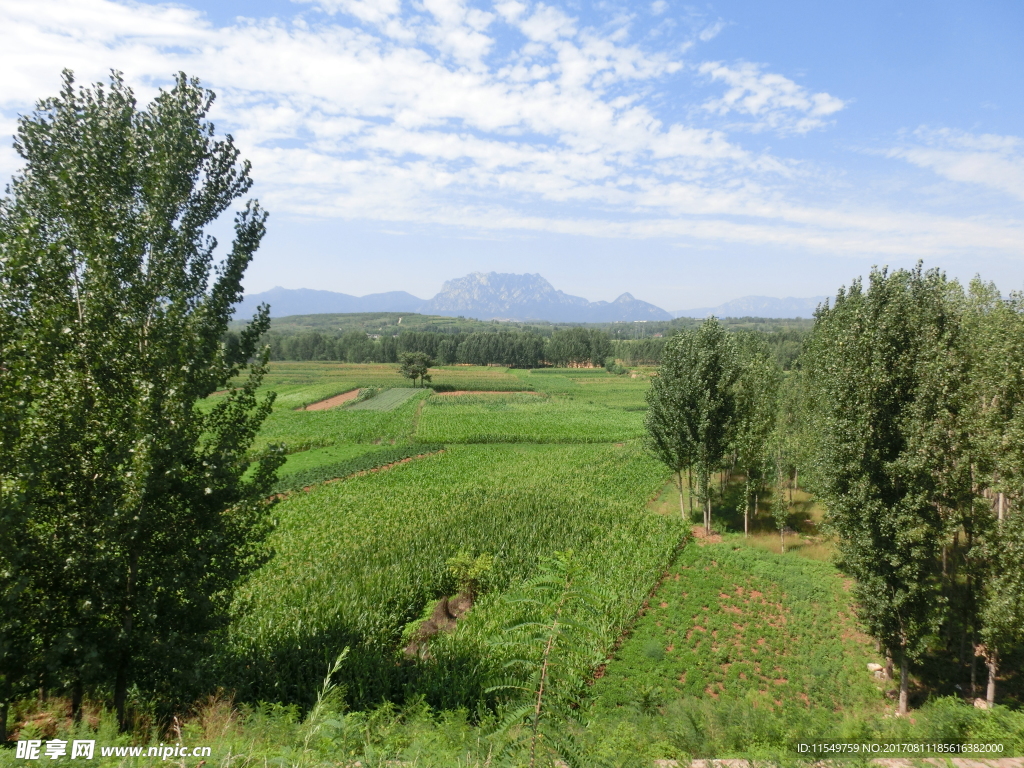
{"type": "Point", "coordinates": [302, 430]}
{"type": "Point", "coordinates": [358, 560]}
{"type": "Point", "coordinates": [388, 400]}
{"type": "Point", "coordinates": [595, 386]}
{"type": "Point", "coordinates": [731, 622]}
{"type": "Point", "coordinates": [284, 375]}
{"type": "Point", "coordinates": [298, 462]}
{"type": "Point", "coordinates": [523, 419]}
{"type": "Point", "coordinates": [478, 377]}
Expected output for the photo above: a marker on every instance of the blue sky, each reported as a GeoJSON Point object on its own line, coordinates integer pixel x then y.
{"type": "Point", "coordinates": [686, 153]}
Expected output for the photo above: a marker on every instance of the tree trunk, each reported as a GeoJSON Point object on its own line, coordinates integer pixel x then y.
{"type": "Point", "coordinates": [76, 701]}
{"type": "Point", "coordinates": [121, 694]}
{"type": "Point", "coordinates": [888, 665]}
{"type": "Point", "coordinates": [993, 669]}
{"type": "Point", "coordinates": [124, 662]}
{"type": "Point", "coordinates": [974, 666]}
{"type": "Point", "coordinates": [782, 537]}
{"type": "Point", "coordinates": [746, 512]}
{"type": "Point", "coordinates": [689, 485]}
{"type": "Point", "coordinates": [904, 681]}
{"type": "Point", "coordinates": [1001, 505]}
{"type": "Point", "coordinates": [682, 509]}
{"type": "Point", "coordinates": [707, 518]}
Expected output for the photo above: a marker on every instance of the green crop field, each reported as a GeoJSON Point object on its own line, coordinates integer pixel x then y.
{"type": "Point", "coordinates": [523, 419]}
{"type": "Point", "coordinates": [388, 400]}
{"type": "Point", "coordinates": [316, 457]}
{"type": "Point", "coordinates": [301, 430]}
{"type": "Point", "coordinates": [735, 622]}
{"type": "Point", "coordinates": [358, 560]}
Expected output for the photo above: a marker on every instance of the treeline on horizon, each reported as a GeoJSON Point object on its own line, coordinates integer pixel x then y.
{"type": "Point", "coordinates": [569, 347]}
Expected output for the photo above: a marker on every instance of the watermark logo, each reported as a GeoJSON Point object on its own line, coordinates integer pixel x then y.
{"type": "Point", "coordinates": [85, 749]}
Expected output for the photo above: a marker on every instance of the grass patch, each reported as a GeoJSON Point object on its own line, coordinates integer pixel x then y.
{"type": "Point", "coordinates": [739, 623]}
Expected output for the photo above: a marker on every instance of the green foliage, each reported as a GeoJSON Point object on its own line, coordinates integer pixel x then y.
{"type": "Point", "coordinates": [1002, 613]}
{"type": "Point", "coordinates": [577, 347]}
{"type": "Point", "coordinates": [881, 368]}
{"type": "Point", "coordinates": [296, 481]}
{"type": "Point", "coordinates": [552, 651]}
{"type": "Point", "coordinates": [414, 365]}
{"type": "Point", "coordinates": [612, 366]}
{"type": "Point", "coordinates": [692, 406]}
{"type": "Point", "coordinates": [470, 572]}
{"type": "Point", "coordinates": [125, 503]}
{"type": "Point", "coordinates": [757, 404]}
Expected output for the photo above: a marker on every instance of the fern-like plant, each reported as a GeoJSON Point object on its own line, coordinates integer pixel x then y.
{"type": "Point", "coordinates": [553, 647]}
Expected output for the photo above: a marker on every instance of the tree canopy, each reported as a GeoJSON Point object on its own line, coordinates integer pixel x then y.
{"type": "Point", "coordinates": [128, 516]}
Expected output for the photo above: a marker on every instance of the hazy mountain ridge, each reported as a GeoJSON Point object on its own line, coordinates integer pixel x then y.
{"type": "Point", "coordinates": [758, 306]}
{"type": "Point", "coordinates": [307, 301]}
{"type": "Point", "coordinates": [531, 297]}
{"type": "Point", "coordinates": [504, 296]}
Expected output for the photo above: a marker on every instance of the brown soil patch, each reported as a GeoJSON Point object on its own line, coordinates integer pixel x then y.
{"type": "Point", "coordinates": [445, 616]}
{"type": "Point", "coordinates": [702, 537]}
{"type": "Point", "coordinates": [332, 402]}
{"type": "Point", "coordinates": [486, 392]}
{"type": "Point", "coordinates": [219, 392]}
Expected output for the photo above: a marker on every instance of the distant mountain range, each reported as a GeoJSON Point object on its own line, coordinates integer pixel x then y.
{"type": "Point", "coordinates": [483, 296]}
{"type": "Point", "coordinates": [758, 306]}
{"type": "Point", "coordinates": [508, 297]}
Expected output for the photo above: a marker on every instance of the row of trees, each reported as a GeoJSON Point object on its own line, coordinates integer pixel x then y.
{"type": "Point", "coordinates": [905, 417]}
{"type": "Point", "coordinates": [915, 403]}
{"type": "Point", "coordinates": [515, 349]}
{"type": "Point", "coordinates": [784, 346]}
{"type": "Point", "coordinates": [127, 518]}
{"type": "Point", "coordinates": [714, 405]}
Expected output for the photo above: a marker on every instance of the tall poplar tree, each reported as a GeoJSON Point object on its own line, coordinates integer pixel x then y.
{"type": "Point", "coordinates": [881, 369]}
{"type": "Point", "coordinates": [757, 404]}
{"type": "Point", "coordinates": [129, 523]}
{"type": "Point", "coordinates": [692, 406]}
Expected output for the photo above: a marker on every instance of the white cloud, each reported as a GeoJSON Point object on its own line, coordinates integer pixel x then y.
{"type": "Point", "coordinates": [511, 116]}
{"type": "Point", "coordinates": [775, 101]}
{"type": "Point", "coordinates": [987, 159]}
{"type": "Point", "coordinates": [658, 7]}
{"type": "Point", "coordinates": [711, 31]}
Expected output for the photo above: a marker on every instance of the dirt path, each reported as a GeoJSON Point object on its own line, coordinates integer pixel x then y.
{"type": "Point", "coordinates": [332, 402]}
